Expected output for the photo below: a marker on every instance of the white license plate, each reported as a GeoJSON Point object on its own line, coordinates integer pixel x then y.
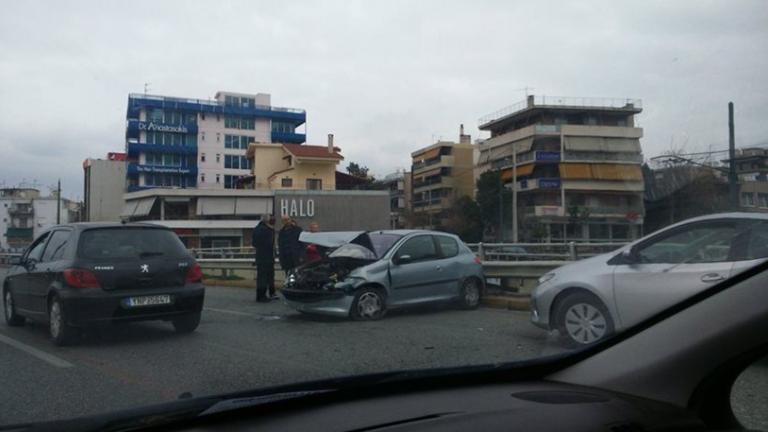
{"type": "Point", "coordinates": [148, 300]}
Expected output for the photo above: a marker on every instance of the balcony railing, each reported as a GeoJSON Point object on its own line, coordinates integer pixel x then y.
{"type": "Point", "coordinates": [19, 233]}
{"type": "Point", "coordinates": [288, 137]}
{"type": "Point", "coordinates": [562, 101]}
{"type": "Point", "coordinates": [21, 210]}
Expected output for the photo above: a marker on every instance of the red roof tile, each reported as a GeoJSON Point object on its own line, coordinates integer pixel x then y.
{"type": "Point", "coordinates": [312, 151]}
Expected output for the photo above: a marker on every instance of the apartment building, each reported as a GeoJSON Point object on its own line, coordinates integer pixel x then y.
{"type": "Point", "coordinates": [195, 143]}
{"type": "Point", "coordinates": [399, 186]}
{"type": "Point", "coordinates": [103, 187]}
{"type": "Point", "coordinates": [752, 169]}
{"type": "Point", "coordinates": [25, 214]}
{"type": "Point", "coordinates": [440, 173]}
{"type": "Point", "coordinates": [572, 165]}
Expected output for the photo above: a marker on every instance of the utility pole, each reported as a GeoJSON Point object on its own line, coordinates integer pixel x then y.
{"type": "Point", "coordinates": [733, 185]}
{"type": "Point", "coordinates": [58, 202]}
{"type": "Point", "coordinates": [501, 209]}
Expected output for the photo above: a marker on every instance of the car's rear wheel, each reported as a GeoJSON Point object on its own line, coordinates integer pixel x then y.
{"type": "Point", "coordinates": [61, 333]}
{"type": "Point", "coordinates": [368, 305]}
{"type": "Point", "coordinates": [469, 297]}
{"type": "Point", "coordinates": [11, 317]}
{"type": "Point", "coordinates": [186, 323]}
{"type": "Point", "coordinates": [583, 320]}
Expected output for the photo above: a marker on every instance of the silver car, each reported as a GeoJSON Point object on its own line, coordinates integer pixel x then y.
{"type": "Point", "coordinates": [592, 298]}
{"type": "Point", "coordinates": [370, 272]}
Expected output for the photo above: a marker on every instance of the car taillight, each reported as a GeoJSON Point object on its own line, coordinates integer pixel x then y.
{"type": "Point", "coordinates": [478, 260]}
{"type": "Point", "coordinates": [195, 273]}
{"type": "Point", "coordinates": [80, 278]}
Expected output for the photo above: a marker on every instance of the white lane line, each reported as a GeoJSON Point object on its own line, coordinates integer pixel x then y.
{"type": "Point", "coordinates": [42, 355]}
{"type": "Point", "coordinates": [226, 311]}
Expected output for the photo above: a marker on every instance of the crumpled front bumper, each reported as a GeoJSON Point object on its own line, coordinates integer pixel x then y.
{"type": "Point", "coordinates": [331, 302]}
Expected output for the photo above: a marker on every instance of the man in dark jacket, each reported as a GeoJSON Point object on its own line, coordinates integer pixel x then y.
{"type": "Point", "coordinates": [264, 243]}
{"type": "Point", "coordinates": [288, 244]}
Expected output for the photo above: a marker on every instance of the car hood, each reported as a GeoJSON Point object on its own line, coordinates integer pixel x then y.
{"type": "Point", "coordinates": [331, 239]}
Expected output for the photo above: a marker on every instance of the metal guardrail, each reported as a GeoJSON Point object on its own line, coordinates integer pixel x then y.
{"type": "Point", "coordinates": [571, 251]}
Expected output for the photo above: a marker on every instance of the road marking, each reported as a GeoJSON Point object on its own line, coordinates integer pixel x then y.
{"type": "Point", "coordinates": [42, 355]}
{"type": "Point", "coordinates": [226, 311]}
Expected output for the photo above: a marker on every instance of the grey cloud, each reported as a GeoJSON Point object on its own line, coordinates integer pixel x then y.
{"type": "Point", "coordinates": [385, 77]}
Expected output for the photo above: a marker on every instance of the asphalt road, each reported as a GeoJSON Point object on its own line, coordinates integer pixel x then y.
{"type": "Point", "coordinates": [243, 345]}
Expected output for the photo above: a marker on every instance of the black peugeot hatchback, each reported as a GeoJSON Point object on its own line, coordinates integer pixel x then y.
{"type": "Point", "coordinates": [78, 275]}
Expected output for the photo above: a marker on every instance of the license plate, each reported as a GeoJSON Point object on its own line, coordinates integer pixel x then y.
{"type": "Point", "coordinates": [147, 301]}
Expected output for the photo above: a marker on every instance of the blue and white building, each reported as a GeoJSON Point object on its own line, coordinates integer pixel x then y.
{"type": "Point", "coordinates": [176, 142]}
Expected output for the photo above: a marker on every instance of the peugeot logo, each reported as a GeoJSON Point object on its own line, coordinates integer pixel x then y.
{"type": "Point", "coordinates": [145, 268]}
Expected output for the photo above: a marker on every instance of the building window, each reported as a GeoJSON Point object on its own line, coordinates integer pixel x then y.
{"type": "Point", "coordinates": [218, 137]}
{"type": "Point", "coordinates": [202, 157]}
{"type": "Point", "coordinates": [747, 199]}
{"type": "Point", "coordinates": [762, 199]}
{"type": "Point", "coordinates": [286, 182]}
{"type": "Point", "coordinates": [218, 178]}
{"type": "Point", "coordinates": [202, 136]}
{"type": "Point", "coordinates": [218, 158]}
{"type": "Point", "coordinates": [202, 178]}
{"type": "Point", "coordinates": [314, 184]}
{"type": "Point", "coordinates": [202, 116]}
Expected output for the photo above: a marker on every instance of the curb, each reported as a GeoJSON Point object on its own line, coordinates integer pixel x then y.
{"type": "Point", "coordinates": [517, 303]}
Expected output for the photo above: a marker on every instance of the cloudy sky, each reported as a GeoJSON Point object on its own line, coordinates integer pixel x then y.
{"type": "Point", "coordinates": [385, 77]}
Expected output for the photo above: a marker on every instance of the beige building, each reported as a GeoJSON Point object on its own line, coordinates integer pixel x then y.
{"type": "Point", "coordinates": [572, 165]}
{"type": "Point", "coordinates": [440, 173]}
{"type": "Point", "coordinates": [294, 166]}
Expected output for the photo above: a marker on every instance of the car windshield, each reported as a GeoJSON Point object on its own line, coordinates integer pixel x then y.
{"type": "Point", "coordinates": [128, 243]}
{"type": "Point", "coordinates": [200, 198]}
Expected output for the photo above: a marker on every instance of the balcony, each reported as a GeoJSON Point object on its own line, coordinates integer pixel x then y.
{"type": "Point", "coordinates": [138, 101]}
{"type": "Point", "coordinates": [19, 233]}
{"type": "Point", "coordinates": [539, 183]}
{"type": "Point", "coordinates": [135, 168]}
{"type": "Point", "coordinates": [17, 210]}
{"type": "Point", "coordinates": [288, 137]}
{"type": "Point", "coordinates": [136, 126]}
{"type": "Point", "coordinates": [437, 203]}
{"type": "Point", "coordinates": [136, 148]}
{"type": "Point", "coordinates": [434, 183]}
{"type": "Point", "coordinates": [442, 161]}
{"type": "Point", "coordinates": [594, 156]}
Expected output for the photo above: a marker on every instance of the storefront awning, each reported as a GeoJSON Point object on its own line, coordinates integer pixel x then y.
{"type": "Point", "coordinates": [252, 206]}
{"type": "Point", "coordinates": [522, 171]}
{"type": "Point", "coordinates": [615, 172]}
{"type": "Point", "coordinates": [139, 207]}
{"type": "Point", "coordinates": [144, 206]}
{"type": "Point", "coordinates": [215, 206]}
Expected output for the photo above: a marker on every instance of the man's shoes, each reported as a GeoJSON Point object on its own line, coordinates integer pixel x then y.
{"type": "Point", "coordinates": [262, 300]}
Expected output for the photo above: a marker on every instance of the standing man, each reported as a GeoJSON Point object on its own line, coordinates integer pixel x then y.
{"type": "Point", "coordinates": [264, 243]}
{"type": "Point", "coordinates": [288, 244]}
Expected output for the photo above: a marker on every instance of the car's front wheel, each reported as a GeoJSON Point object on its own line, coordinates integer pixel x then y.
{"type": "Point", "coordinates": [469, 297]}
{"type": "Point", "coordinates": [61, 333]}
{"type": "Point", "coordinates": [186, 323]}
{"type": "Point", "coordinates": [11, 317]}
{"type": "Point", "coordinates": [583, 320]}
{"type": "Point", "coordinates": [369, 304]}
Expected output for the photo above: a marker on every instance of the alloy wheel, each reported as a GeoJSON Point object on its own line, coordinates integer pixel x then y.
{"type": "Point", "coordinates": [8, 302]}
{"type": "Point", "coordinates": [585, 323]}
{"type": "Point", "coordinates": [471, 293]}
{"type": "Point", "coordinates": [369, 305]}
{"type": "Point", "coordinates": [55, 319]}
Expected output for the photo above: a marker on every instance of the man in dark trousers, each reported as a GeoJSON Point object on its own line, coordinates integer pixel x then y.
{"type": "Point", "coordinates": [288, 244]}
{"type": "Point", "coordinates": [264, 243]}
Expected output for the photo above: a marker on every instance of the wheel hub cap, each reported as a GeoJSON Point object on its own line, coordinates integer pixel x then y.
{"type": "Point", "coordinates": [369, 304]}
{"type": "Point", "coordinates": [585, 323]}
{"type": "Point", "coordinates": [55, 319]}
{"type": "Point", "coordinates": [8, 305]}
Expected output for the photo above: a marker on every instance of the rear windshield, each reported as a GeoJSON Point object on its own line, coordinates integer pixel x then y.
{"type": "Point", "coordinates": [125, 243]}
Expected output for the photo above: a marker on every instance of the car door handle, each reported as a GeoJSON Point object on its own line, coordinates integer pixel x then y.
{"type": "Point", "coordinates": [438, 268]}
{"type": "Point", "coordinates": [712, 277]}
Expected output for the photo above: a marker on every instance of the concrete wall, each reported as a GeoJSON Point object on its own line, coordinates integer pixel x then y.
{"type": "Point", "coordinates": [325, 171]}
{"type": "Point", "coordinates": [268, 159]}
{"type": "Point", "coordinates": [335, 210]}
{"type": "Point", "coordinates": [106, 184]}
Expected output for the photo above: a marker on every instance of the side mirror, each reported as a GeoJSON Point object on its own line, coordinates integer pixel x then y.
{"type": "Point", "coordinates": [16, 261]}
{"type": "Point", "coordinates": [630, 256]}
{"type": "Point", "coordinates": [403, 259]}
